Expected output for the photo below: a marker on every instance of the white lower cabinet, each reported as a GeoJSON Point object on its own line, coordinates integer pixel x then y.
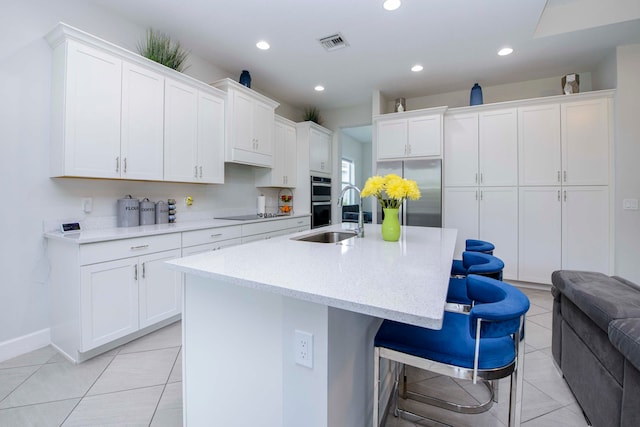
{"type": "Point", "coordinates": [487, 213]}
{"type": "Point", "coordinates": [268, 229]}
{"type": "Point", "coordinates": [210, 239]}
{"type": "Point", "coordinates": [107, 293]}
{"type": "Point", "coordinates": [563, 228]}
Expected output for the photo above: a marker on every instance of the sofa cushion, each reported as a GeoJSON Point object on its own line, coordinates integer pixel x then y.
{"type": "Point", "coordinates": [625, 336]}
{"type": "Point", "coordinates": [601, 297]}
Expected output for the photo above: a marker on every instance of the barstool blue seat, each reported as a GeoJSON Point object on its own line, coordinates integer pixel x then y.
{"type": "Point", "coordinates": [472, 263]}
{"type": "Point", "coordinates": [474, 245]}
{"type": "Point", "coordinates": [482, 344]}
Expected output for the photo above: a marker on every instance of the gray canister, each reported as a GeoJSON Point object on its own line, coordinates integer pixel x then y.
{"type": "Point", "coordinates": [147, 212]}
{"type": "Point", "coordinates": [128, 212]}
{"type": "Point", "coordinates": [162, 212]}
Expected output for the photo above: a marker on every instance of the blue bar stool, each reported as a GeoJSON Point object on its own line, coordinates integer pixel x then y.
{"type": "Point", "coordinates": [483, 344]}
{"type": "Point", "coordinates": [472, 263]}
{"type": "Point", "coordinates": [471, 245]}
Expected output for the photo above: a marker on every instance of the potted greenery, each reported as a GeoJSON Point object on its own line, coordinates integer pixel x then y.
{"type": "Point", "coordinates": [159, 48]}
{"type": "Point", "coordinates": [311, 114]}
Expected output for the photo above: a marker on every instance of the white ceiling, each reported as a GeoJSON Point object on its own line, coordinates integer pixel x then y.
{"type": "Point", "coordinates": [455, 40]}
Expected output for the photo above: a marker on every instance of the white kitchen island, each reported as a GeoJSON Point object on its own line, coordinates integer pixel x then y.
{"type": "Point", "coordinates": [242, 306]}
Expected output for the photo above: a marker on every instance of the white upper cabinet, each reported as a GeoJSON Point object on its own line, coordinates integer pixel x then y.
{"type": "Point", "coordinates": [319, 140]}
{"type": "Point", "coordinates": [461, 150]}
{"type": "Point", "coordinates": [539, 144]}
{"type": "Point", "coordinates": [585, 142]}
{"type": "Point", "coordinates": [285, 157]}
{"type": "Point", "coordinates": [406, 135]}
{"type": "Point", "coordinates": [181, 132]}
{"type": "Point", "coordinates": [117, 115]}
{"type": "Point", "coordinates": [498, 147]}
{"type": "Point", "coordinates": [194, 135]}
{"type": "Point", "coordinates": [565, 143]}
{"type": "Point", "coordinates": [87, 86]}
{"type": "Point", "coordinates": [481, 148]}
{"type": "Point", "coordinates": [249, 125]}
{"type": "Point", "coordinates": [142, 136]}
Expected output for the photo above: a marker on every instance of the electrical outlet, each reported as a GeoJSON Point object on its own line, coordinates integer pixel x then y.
{"type": "Point", "coordinates": [304, 348]}
{"type": "Point", "coordinates": [630, 204]}
{"type": "Point", "coordinates": [87, 204]}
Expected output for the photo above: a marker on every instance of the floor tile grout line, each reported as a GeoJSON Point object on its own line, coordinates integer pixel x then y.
{"type": "Point", "coordinates": [23, 381]}
{"type": "Point", "coordinates": [155, 410]}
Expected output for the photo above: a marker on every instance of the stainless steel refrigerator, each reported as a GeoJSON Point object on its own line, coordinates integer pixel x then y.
{"type": "Point", "coordinates": [426, 211]}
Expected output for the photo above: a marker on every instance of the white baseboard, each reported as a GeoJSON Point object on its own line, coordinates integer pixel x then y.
{"type": "Point", "coordinates": [24, 344]}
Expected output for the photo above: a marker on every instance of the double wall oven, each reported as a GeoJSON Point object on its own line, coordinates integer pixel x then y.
{"type": "Point", "coordinates": [320, 201]}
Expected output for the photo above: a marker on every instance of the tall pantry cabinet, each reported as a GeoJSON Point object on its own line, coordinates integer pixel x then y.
{"type": "Point", "coordinates": [481, 178]}
{"type": "Point", "coordinates": [533, 177]}
{"type": "Point", "coordinates": [564, 187]}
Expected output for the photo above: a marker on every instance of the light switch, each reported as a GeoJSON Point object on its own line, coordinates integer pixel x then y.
{"type": "Point", "coordinates": [630, 204]}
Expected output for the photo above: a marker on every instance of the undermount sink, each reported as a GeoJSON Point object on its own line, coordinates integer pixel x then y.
{"type": "Point", "coordinates": [327, 237]}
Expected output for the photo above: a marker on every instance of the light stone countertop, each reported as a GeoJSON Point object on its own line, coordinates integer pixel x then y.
{"type": "Point", "coordinates": [116, 233]}
{"type": "Point", "coordinates": [405, 281]}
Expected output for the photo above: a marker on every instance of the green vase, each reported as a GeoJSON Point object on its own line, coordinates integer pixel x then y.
{"type": "Point", "coordinates": [390, 225]}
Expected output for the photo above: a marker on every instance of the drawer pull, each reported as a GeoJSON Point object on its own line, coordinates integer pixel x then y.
{"type": "Point", "coordinates": [135, 248]}
{"type": "Point", "coordinates": [213, 236]}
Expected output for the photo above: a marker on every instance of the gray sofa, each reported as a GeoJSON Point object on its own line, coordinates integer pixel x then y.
{"type": "Point", "coordinates": [596, 344]}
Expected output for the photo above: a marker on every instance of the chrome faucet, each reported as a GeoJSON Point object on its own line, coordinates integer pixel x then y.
{"type": "Point", "coordinates": [360, 229]}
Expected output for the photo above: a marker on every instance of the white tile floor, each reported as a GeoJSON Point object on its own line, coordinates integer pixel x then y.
{"type": "Point", "coordinates": [140, 384]}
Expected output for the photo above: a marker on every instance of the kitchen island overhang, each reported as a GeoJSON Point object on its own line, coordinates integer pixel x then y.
{"type": "Point", "coordinates": [242, 306]}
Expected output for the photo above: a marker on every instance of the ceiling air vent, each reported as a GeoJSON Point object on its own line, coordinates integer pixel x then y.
{"type": "Point", "coordinates": [333, 42]}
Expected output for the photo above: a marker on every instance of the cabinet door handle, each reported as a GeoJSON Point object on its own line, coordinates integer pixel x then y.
{"type": "Point", "coordinates": [135, 248]}
{"type": "Point", "coordinates": [476, 195]}
{"type": "Point", "coordinates": [135, 272]}
{"type": "Point", "coordinates": [200, 171]}
{"type": "Point", "coordinates": [476, 177]}
{"type": "Point", "coordinates": [143, 270]}
{"type": "Point", "coordinates": [195, 171]}
{"type": "Point", "coordinates": [481, 195]}
{"type": "Point", "coordinates": [117, 164]}
{"type": "Point", "coordinates": [565, 176]}
{"type": "Point", "coordinates": [565, 195]}
{"type": "Point", "coordinates": [558, 195]}
{"type": "Point", "coordinates": [558, 176]}
{"type": "Point", "coordinates": [481, 178]}
{"type": "Point", "coordinates": [125, 165]}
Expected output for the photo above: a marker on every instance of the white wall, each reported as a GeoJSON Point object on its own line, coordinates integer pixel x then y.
{"type": "Point", "coordinates": [31, 197]}
{"type": "Point", "coordinates": [605, 76]}
{"type": "Point", "coordinates": [627, 156]}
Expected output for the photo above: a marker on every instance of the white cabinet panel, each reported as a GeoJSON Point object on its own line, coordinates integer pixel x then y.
{"type": "Point", "coordinates": [160, 289]}
{"type": "Point", "coordinates": [540, 233]}
{"type": "Point", "coordinates": [391, 138]}
{"type": "Point", "coordinates": [180, 132]}
{"type": "Point", "coordinates": [285, 158]}
{"type": "Point", "coordinates": [461, 212]}
{"type": "Point", "coordinates": [210, 151]}
{"type": "Point", "coordinates": [142, 136]}
{"type": "Point", "coordinates": [86, 130]}
{"type": "Point", "coordinates": [585, 142]}
{"type": "Point", "coordinates": [109, 302]}
{"type": "Point", "coordinates": [320, 151]}
{"type": "Point", "coordinates": [585, 229]}
{"type": "Point", "coordinates": [498, 147]}
{"type": "Point", "coordinates": [539, 144]}
{"type": "Point", "coordinates": [461, 150]}
{"type": "Point", "coordinates": [499, 225]}
{"type": "Point", "coordinates": [425, 136]}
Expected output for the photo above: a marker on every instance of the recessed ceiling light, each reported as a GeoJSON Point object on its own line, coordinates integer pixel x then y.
{"type": "Point", "coordinates": [262, 45]}
{"type": "Point", "coordinates": [505, 51]}
{"type": "Point", "coordinates": [319, 88]}
{"type": "Point", "coordinates": [391, 4]}
{"type": "Point", "coordinates": [417, 68]}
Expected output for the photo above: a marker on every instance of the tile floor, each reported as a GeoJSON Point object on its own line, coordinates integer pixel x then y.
{"type": "Point", "coordinates": [140, 384]}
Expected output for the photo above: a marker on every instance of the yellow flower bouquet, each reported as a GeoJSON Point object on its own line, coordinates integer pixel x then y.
{"type": "Point", "coordinates": [391, 190]}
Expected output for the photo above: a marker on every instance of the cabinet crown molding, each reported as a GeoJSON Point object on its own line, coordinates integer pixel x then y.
{"type": "Point", "coordinates": [413, 113]}
{"type": "Point", "coordinates": [64, 32]}
{"type": "Point", "coordinates": [226, 84]}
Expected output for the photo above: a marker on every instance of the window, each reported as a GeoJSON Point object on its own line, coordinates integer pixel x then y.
{"type": "Point", "coordinates": [348, 178]}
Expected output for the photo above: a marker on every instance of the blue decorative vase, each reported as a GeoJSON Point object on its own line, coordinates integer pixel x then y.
{"type": "Point", "coordinates": [476, 95]}
{"type": "Point", "coordinates": [245, 78]}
